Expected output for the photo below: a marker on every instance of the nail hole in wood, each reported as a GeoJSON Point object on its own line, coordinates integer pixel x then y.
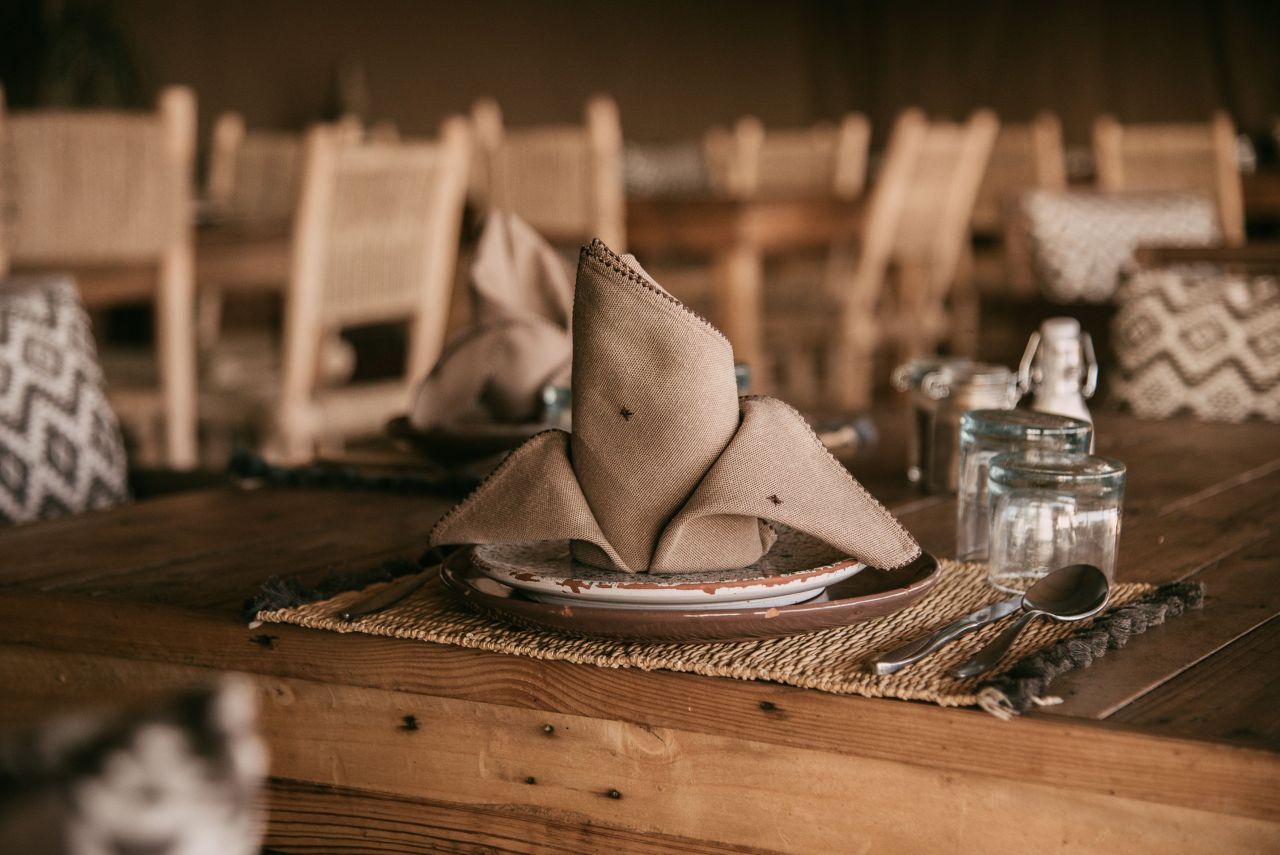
{"type": "Point", "coordinates": [614, 794]}
{"type": "Point", "coordinates": [408, 723]}
{"type": "Point", "coordinates": [531, 780]}
{"type": "Point", "coordinates": [549, 729]}
{"type": "Point", "coordinates": [266, 641]}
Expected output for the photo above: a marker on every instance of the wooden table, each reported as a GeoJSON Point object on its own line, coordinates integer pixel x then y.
{"type": "Point", "coordinates": [228, 257]}
{"type": "Point", "coordinates": [378, 745]}
{"type": "Point", "coordinates": [1262, 196]}
{"type": "Point", "coordinates": [737, 234]}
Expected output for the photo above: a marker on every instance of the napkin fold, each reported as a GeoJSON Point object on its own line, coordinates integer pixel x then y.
{"type": "Point", "coordinates": [667, 471]}
{"type": "Point", "coordinates": [522, 297]}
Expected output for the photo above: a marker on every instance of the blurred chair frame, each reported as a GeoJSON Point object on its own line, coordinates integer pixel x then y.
{"type": "Point", "coordinates": [102, 194]}
{"type": "Point", "coordinates": [362, 214]}
{"type": "Point", "coordinates": [1174, 157]}
{"type": "Point", "coordinates": [564, 180]}
{"type": "Point", "coordinates": [825, 160]}
{"type": "Point", "coordinates": [822, 160]}
{"type": "Point", "coordinates": [932, 255]}
{"type": "Point", "coordinates": [1025, 156]}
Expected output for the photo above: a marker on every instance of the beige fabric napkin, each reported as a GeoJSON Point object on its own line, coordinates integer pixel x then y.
{"type": "Point", "coordinates": [666, 470]}
{"type": "Point", "coordinates": [522, 295]}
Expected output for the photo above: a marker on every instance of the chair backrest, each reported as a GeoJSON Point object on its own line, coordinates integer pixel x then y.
{"type": "Point", "coordinates": [254, 175]}
{"type": "Point", "coordinates": [375, 240]}
{"type": "Point", "coordinates": [564, 180]}
{"type": "Point", "coordinates": [934, 226]}
{"type": "Point", "coordinates": [96, 190]}
{"type": "Point", "coordinates": [88, 187]}
{"type": "Point", "coordinates": [822, 160]}
{"type": "Point", "coordinates": [886, 204]}
{"type": "Point", "coordinates": [1174, 157]}
{"type": "Point", "coordinates": [1025, 157]}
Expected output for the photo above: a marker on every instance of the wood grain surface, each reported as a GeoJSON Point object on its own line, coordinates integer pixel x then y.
{"type": "Point", "coordinates": [1172, 744]}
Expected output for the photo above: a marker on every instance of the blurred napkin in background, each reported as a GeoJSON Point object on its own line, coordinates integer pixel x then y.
{"type": "Point", "coordinates": [667, 470]}
{"type": "Point", "coordinates": [522, 298]}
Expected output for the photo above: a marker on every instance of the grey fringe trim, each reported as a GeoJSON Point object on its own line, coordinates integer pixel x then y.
{"type": "Point", "coordinates": [246, 465]}
{"type": "Point", "coordinates": [1024, 685]}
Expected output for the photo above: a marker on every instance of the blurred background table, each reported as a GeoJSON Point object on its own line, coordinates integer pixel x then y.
{"type": "Point", "coordinates": [737, 234]}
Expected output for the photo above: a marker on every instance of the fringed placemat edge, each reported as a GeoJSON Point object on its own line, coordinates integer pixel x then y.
{"type": "Point", "coordinates": [1024, 685]}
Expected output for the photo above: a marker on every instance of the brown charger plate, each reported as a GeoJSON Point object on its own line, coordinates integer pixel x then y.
{"type": "Point", "coordinates": [460, 444]}
{"type": "Point", "coordinates": [870, 594]}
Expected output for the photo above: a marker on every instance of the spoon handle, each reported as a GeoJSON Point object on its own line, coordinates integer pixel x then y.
{"type": "Point", "coordinates": [986, 658]}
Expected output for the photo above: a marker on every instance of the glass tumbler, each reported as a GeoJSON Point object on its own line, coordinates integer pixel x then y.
{"type": "Point", "coordinates": [986, 433]}
{"type": "Point", "coordinates": [1049, 510]}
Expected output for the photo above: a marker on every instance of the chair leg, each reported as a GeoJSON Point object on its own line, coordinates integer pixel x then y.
{"type": "Point", "coordinates": [208, 318]}
{"type": "Point", "coordinates": [966, 310]}
{"type": "Point", "coordinates": [175, 340]}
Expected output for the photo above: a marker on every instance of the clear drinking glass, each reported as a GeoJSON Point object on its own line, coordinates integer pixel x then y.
{"type": "Point", "coordinates": [1049, 510]}
{"type": "Point", "coordinates": [986, 433]}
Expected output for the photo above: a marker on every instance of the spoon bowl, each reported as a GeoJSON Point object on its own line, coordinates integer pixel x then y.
{"type": "Point", "coordinates": [1072, 593]}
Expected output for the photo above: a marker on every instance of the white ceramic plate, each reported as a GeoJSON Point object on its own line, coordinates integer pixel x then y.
{"type": "Point", "coordinates": [797, 568]}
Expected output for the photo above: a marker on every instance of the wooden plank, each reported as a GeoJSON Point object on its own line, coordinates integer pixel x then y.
{"type": "Point", "coordinates": [653, 779]}
{"type": "Point", "coordinates": [1199, 531]}
{"type": "Point", "coordinates": [215, 547]}
{"type": "Point", "coordinates": [305, 817]}
{"type": "Point", "coordinates": [1243, 593]}
{"type": "Point", "coordinates": [1050, 752]}
{"type": "Point", "coordinates": [1233, 696]}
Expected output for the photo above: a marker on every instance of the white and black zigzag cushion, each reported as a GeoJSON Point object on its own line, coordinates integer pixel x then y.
{"type": "Point", "coordinates": [60, 446]}
{"type": "Point", "coordinates": [1193, 339]}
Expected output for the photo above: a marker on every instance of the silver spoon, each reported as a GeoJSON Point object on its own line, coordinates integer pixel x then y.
{"type": "Point", "coordinates": [1071, 593]}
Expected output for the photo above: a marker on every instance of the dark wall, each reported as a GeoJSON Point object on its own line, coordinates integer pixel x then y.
{"type": "Point", "coordinates": [676, 66]}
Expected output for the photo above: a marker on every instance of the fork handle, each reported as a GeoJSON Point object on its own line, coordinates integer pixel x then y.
{"type": "Point", "coordinates": [987, 658]}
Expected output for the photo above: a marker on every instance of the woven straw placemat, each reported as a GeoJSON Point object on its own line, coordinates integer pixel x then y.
{"type": "Point", "coordinates": [829, 660]}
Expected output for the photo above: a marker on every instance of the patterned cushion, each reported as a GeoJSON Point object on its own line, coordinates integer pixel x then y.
{"type": "Point", "coordinates": [1193, 339]}
{"type": "Point", "coordinates": [60, 446]}
{"type": "Point", "coordinates": [181, 777]}
{"type": "Point", "coordinates": [1081, 242]}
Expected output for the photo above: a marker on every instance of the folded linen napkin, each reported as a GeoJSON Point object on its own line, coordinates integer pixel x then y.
{"type": "Point", "coordinates": [666, 470]}
{"type": "Point", "coordinates": [522, 294]}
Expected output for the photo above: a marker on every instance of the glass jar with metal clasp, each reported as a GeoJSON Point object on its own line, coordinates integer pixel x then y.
{"type": "Point", "coordinates": [940, 393]}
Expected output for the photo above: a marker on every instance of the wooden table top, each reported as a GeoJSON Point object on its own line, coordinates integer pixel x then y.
{"type": "Point", "coordinates": [711, 224]}
{"type": "Point", "coordinates": [1172, 744]}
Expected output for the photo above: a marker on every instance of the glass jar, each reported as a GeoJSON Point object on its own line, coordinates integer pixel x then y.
{"type": "Point", "coordinates": [1049, 510]}
{"type": "Point", "coordinates": [908, 378]}
{"type": "Point", "coordinates": [943, 397]}
{"type": "Point", "coordinates": [986, 433]}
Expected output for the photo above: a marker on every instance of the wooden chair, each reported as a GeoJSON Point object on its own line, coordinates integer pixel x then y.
{"type": "Point", "coordinates": [1025, 157]}
{"type": "Point", "coordinates": [821, 160]}
{"type": "Point", "coordinates": [1174, 157]}
{"type": "Point", "coordinates": [931, 254]}
{"type": "Point", "coordinates": [255, 175]}
{"type": "Point", "coordinates": [564, 180]}
{"type": "Point", "coordinates": [105, 194]}
{"type": "Point", "coordinates": [375, 241]}
{"type": "Point", "coordinates": [825, 160]}
{"type": "Point", "coordinates": [826, 350]}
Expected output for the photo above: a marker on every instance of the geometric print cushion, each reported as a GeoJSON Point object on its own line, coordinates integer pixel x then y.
{"type": "Point", "coordinates": [182, 776]}
{"type": "Point", "coordinates": [60, 446]}
{"type": "Point", "coordinates": [1194, 339]}
{"type": "Point", "coordinates": [1082, 242]}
